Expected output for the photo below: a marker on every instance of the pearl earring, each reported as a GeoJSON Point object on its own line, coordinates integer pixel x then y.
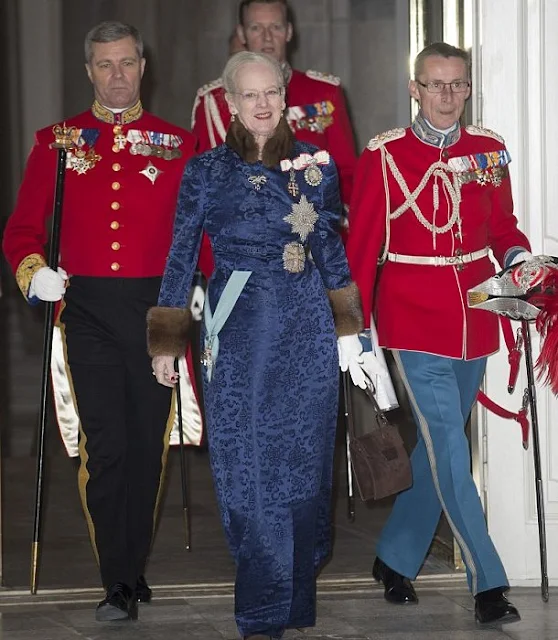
{"type": "Point", "coordinates": [233, 117]}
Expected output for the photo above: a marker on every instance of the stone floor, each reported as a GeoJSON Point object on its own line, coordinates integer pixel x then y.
{"type": "Point", "coordinates": [347, 609]}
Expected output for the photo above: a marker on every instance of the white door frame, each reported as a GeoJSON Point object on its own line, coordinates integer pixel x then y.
{"type": "Point", "coordinates": [518, 93]}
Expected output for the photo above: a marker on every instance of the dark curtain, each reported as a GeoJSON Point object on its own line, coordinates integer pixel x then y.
{"type": "Point", "coordinates": [10, 108]}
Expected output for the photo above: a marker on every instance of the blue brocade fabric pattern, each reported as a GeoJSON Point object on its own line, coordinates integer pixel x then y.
{"type": "Point", "coordinates": [271, 404]}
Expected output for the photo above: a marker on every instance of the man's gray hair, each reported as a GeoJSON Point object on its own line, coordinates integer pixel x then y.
{"type": "Point", "coordinates": [111, 31]}
{"type": "Point", "coordinates": [249, 57]}
{"type": "Point", "coordinates": [443, 50]}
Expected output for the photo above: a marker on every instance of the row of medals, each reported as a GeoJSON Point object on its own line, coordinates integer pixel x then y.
{"type": "Point", "coordinates": [142, 148]}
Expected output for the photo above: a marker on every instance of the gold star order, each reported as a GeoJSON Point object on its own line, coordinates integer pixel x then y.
{"type": "Point", "coordinates": [303, 217]}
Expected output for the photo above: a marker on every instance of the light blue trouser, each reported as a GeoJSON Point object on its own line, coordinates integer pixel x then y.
{"type": "Point", "coordinates": [442, 392]}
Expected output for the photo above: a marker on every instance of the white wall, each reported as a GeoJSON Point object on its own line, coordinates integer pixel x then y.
{"type": "Point", "coordinates": [519, 97]}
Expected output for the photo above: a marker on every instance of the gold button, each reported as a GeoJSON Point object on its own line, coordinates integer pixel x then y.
{"type": "Point", "coordinates": [115, 186]}
{"type": "Point", "coordinates": [114, 225]}
{"type": "Point", "coordinates": [115, 148]}
{"type": "Point", "coordinates": [115, 206]}
{"type": "Point", "coordinates": [116, 166]}
{"type": "Point", "coordinates": [115, 246]}
{"type": "Point", "coordinates": [115, 266]}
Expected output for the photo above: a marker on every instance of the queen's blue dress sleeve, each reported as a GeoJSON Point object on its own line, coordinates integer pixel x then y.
{"type": "Point", "coordinates": [186, 238]}
{"type": "Point", "coordinates": [325, 243]}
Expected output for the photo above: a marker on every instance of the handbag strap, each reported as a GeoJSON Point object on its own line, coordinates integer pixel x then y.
{"type": "Point", "coordinates": [381, 419]}
{"type": "Point", "coordinates": [380, 415]}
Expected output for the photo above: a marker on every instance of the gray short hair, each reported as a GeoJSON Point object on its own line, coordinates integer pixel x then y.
{"type": "Point", "coordinates": [111, 31]}
{"type": "Point", "coordinates": [443, 50]}
{"type": "Point", "coordinates": [238, 60]}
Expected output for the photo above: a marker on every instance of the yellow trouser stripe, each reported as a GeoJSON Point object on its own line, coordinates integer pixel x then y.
{"type": "Point", "coordinates": [83, 473]}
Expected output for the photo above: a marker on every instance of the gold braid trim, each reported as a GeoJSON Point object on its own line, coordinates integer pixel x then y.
{"type": "Point", "coordinates": [27, 268]}
{"type": "Point", "coordinates": [128, 115]}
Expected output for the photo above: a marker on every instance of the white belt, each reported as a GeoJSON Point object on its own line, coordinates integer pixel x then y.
{"type": "Point", "coordinates": [439, 261]}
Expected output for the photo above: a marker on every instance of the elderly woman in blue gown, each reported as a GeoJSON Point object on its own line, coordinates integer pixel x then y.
{"type": "Point", "coordinates": [281, 314]}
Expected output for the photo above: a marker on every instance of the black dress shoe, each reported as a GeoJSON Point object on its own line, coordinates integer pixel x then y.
{"type": "Point", "coordinates": [493, 606]}
{"type": "Point", "coordinates": [398, 588]}
{"type": "Point", "coordinates": [119, 604]}
{"type": "Point", "coordinates": [143, 592]}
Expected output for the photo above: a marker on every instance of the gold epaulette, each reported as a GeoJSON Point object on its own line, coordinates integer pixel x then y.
{"type": "Point", "coordinates": [387, 136]}
{"type": "Point", "coordinates": [324, 77]}
{"type": "Point", "coordinates": [207, 88]}
{"type": "Point", "coordinates": [26, 269]}
{"type": "Point", "coordinates": [202, 92]}
{"type": "Point", "coordinates": [481, 131]}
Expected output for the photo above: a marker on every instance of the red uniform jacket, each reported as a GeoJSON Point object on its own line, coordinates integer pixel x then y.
{"type": "Point", "coordinates": [119, 206]}
{"type": "Point", "coordinates": [316, 112]}
{"type": "Point", "coordinates": [424, 307]}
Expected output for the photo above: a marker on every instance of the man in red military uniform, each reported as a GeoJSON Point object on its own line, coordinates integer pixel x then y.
{"type": "Point", "coordinates": [316, 109]}
{"type": "Point", "coordinates": [122, 179]}
{"type": "Point", "coordinates": [433, 201]}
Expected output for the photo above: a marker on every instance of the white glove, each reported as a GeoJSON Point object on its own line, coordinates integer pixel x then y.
{"type": "Point", "coordinates": [196, 303]}
{"type": "Point", "coordinates": [361, 366]}
{"type": "Point", "coordinates": [384, 391]}
{"type": "Point", "coordinates": [48, 285]}
{"type": "Point", "coordinates": [522, 256]}
{"type": "Point", "coordinates": [163, 370]}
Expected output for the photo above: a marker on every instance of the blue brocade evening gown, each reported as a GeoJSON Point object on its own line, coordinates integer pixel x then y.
{"type": "Point", "coordinates": [271, 403]}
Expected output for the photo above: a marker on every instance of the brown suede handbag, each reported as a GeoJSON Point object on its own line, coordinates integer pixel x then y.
{"type": "Point", "coordinates": [379, 459]}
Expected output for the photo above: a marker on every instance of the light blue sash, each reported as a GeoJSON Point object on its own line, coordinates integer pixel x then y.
{"type": "Point", "coordinates": [215, 322]}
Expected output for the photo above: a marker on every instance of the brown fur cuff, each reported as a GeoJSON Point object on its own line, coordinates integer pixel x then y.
{"type": "Point", "coordinates": [168, 331]}
{"type": "Point", "coordinates": [347, 309]}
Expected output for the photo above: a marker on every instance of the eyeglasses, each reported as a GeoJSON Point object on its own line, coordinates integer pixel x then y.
{"type": "Point", "coordinates": [271, 94]}
{"type": "Point", "coordinates": [459, 86]}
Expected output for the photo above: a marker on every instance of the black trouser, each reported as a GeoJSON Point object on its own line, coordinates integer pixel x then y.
{"type": "Point", "coordinates": [123, 413]}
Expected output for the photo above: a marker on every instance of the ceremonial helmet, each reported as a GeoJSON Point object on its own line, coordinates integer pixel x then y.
{"type": "Point", "coordinates": [527, 291]}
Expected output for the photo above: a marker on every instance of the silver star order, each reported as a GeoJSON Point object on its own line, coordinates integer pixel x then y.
{"type": "Point", "coordinates": [79, 165]}
{"type": "Point", "coordinates": [482, 179]}
{"type": "Point", "coordinates": [151, 172]}
{"type": "Point", "coordinates": [302, 218]}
